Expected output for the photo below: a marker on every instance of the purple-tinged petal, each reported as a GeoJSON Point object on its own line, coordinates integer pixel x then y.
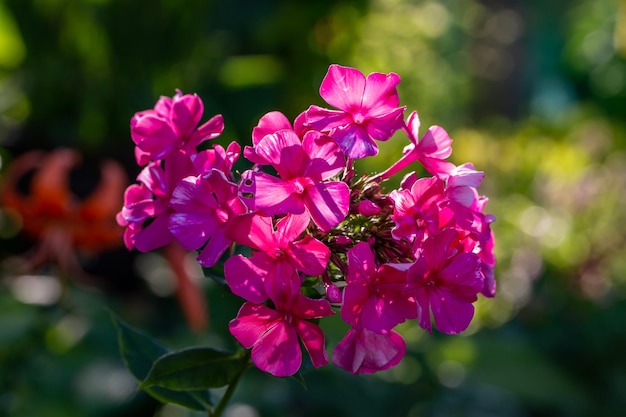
{"type": "Point", "coordinates": [192, 230]}
{"type": "Point", "coordinates": [435, 143]}
{"type": "Point", "coordinates": [214, 249]}
{"type": "Point", "coordinates": [354, 141]}
{"type": "Point", "coordinates": [327, 203]}
{"type": "Point", "coordinates": [153, 236]}
{"type": "Point", "coordinates": [365, 352]}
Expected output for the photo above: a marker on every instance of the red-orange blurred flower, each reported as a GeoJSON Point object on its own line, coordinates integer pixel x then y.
{"type": "Point", "coordinates": [37, 186]}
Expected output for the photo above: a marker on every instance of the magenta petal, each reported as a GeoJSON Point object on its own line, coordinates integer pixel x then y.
{"type": "Point", "coordinates": [463, 275]}
{"type": "Point", "coordinates": [208, 130]}
{"type": "Point", "coordinates": [413, 126]}
{"type": "Point", "coordinates": [365, 352]}
{"type": "Point", "coordinates": [193, 229]}
{"type": "Point", "coordinates": [214, 249]}
{"type": "Point", "coordinates": [290, 227]}
{"type": "Point", "coordinates": [326, 159]}
{"type": "Point", "coordinates": [252, 321]}
{"type": "Point", "coordinates": [451, 315]}
{"type": "Point", "coordinates": [283, 150]}
{"type": "Point", "coordinates": [270, 194]}
{"type": "Point", "coordinates": [154, 236]}
{"type": "Point", "coordinates": [327, 203]}
{"type": "Point", "coordinates": [313, 339]}
{"type": "Point", "coordinates": [252, 230]}
{"type": "Point", "coordinates": [271, 122]}
{"type": "Point", "coordinates": [185, 113]}
{"type": "Point", "coordinates": [245, 278]}
{"type": "Point", "coordinates": [383, 127]}
{"type": "Point", "coordinates": [362, 268]}
{"type": "Point", "coordinates": [309, 308]}
{"type": "Point", "coordinates": [323, 120]}
{"type": "Point", "coordinates": [343, 87]}
{"type": "Point", "coordinates": [278, 351]}
{"type": "Point", "coordinates": [380, 93]}
{"type": "Point", "coordinates": [309, 255]}
{"type": "Point", "coordinates": [354, 298]}
{"type": "Point", "coordinates": [435, 143]}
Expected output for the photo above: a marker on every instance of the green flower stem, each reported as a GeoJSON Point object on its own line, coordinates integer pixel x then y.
{"type": "Point", "coordinates": [221, 406]}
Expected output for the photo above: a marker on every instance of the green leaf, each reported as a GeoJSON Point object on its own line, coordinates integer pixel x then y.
{"type": "Point", "coordinates": [139, 351]}
{"type": "Point", "coordinates": [195, 368]}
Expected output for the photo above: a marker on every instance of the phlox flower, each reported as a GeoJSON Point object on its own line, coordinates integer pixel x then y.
{"type": "Point", "coordinates": [445, 280]}
{"type": "Point", "coordinates": [418, 210]}
{"type": "Point", "coordinates": [368, 109]}
{"type": "Point", "coordinates": [374, 297]}
{"type": "Point", "coordinates": [203, 206]}
{"type": "Point", "coordinates": [146, 211]}
{"type": "Point", "coordinates": [273, 334]}
{"type": "Point", "coordinates": [304, 168]}
{"type": "Point", "coordinates": [362, 351]}
{"type": "Point", "coordinates": [172, 124]}
{"type": "Point", "coordinates": [278, 255]}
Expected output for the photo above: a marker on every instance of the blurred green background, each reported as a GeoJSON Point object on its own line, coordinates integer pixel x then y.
{"type": "Point", "coordinates": [532, 92]}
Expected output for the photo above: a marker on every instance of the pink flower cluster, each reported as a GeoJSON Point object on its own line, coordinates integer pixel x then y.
{"type": "Point", "coordinates": [321, 238]}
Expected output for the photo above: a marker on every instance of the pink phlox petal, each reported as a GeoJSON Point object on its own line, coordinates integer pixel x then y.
{"type": "Point", "coordinates": [207, 131]}
{"type": "Point", "coordinates": [163, 106]}
{"type": "Point", "coordinates": [368, 208]}
{"type": "Point", "coordinates": [153, 236]}
{"type": "Point", "coordinates": [325, 157]}
{"type": "Point", "coordinates": [384, 126]}
{"type": "Point", "coordinates": [290, 227]}
{"type": "Point", "coordinates": [408, 180]}
{"type": "Point", "coordinates": [282, 284]}
{"type": "Point", "coordinates": [361, 264]}
{"type": "Point", "coordinates": [283, 150]}
{"type": "Point", "coordinates": [380, 94]}
{"type": "Point", "coordinates": [254, 231]}
{"type": "Point", "coordinates": [465, 176]}
{"type": "Point", "coordinates": [278, 351]}
{"type": "Point", "coordinates": [436, 143]}
{"type": "Point", "coordinates": [245, 277]}
{"type": "Point", "coordinates": [413, 126]}
{"type": "Point", "coordinates": [354, 298]}
{"type": "Point", "coordinates": [138, 203]}
{"type": "Point", "coordinates": [185, 114]}
{"type": "Point", "coordinates": [309, 255]}
{"type": "Point", "coordinates": [489, 280]}
{"type": "Point", "coordinates": [328, 203]}
{"type": "Point", "coordinates": [451, 314]}
{"type": "Point", "coordinates": [364, 352]}
{"type": "Point", "coordinates": [215, 248]}
{"type": "Point", "coordinates": [270, 123]}
{"type": "Point", "coordinates": [462, 276]}
{"type": "Point", "coordinates": [300, 125]}
{"type": "Point", "coordinates": [325, 120]}
{"type": "Point", "coordinates": [344, 87]}
{"type": "Point", "coordinates": [271, 195]}
{"type": "Point", "coordinates": [313, 339]}
{"type": "Point", "coordinates": [153, 135]}
{"type": "Point", "coordinates": [438, 249]}
{"type": "Point", "coordinates": [218, 158]}
{"type": "Point", "coordinates": [178, 165]}
{"type": "Point", "coordinates": [252, 322]}
{"type": "Point", "coordinates": [309, 308]}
